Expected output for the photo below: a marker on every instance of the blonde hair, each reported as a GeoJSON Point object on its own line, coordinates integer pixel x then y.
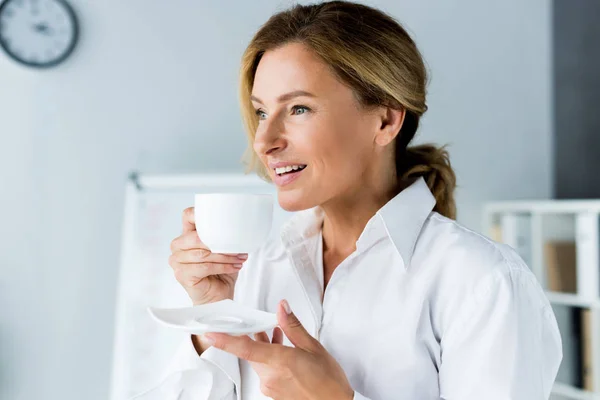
{"type": "Point", "coordinates": [371, 53]}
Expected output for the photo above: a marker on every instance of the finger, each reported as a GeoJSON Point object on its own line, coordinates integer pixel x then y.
{"type": "Point", "coordinates": [195, 256]}
{"type": "Point", "coordinates": [294, 330]}
{"type": "Point", "coordinates": [195, 272]}
{"type": "Point", "coordinates": [191, 241]}
{"type": "Point", "coordinates": [262, 337]}
{"type": "Point", "coordinates": [188, 241]}
{"type": "Point", "coordinates": [245, 348]}
{"type": "Point", "coordinates": [188, 221]}
{"type": "Point", "coordinates": [277, 336]}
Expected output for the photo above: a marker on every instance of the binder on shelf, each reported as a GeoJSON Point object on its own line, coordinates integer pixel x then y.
{"type": "Point", "coordinates": [561, 266]}
{"type": "Point", "coordinates": [587, 355]}
{"type": "Point", "coordinates": [516, 232]}
{"type": "Point", "coordinates": [569, 371]}
{"type": "Point", "coordinates": [496, 232]}
{"type": "Point", "coordinates": [587, 237]}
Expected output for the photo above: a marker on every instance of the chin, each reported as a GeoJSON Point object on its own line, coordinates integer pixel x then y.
{"type": "Point", "coordinates": [293, 201]}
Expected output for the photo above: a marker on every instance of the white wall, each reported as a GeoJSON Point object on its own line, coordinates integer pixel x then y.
{"type": "Point", "coordinates": [152, 87]}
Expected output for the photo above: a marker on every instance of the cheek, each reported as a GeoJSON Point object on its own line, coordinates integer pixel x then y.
{"type": "Point", "coordinates": [346, 149]}
{"type": "Point", "coordinates": [333, 145]}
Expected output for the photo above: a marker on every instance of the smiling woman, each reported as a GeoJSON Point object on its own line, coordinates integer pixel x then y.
{"type": "Point", "coordinates": [338, 65]}
{"type": "Point", "coordinates": [379, 292]}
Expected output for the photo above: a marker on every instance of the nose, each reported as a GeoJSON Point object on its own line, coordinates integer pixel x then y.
{"type": "Point", "coordinates": [269, 138]}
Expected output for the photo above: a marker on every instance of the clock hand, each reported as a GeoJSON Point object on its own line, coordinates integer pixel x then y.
{"type": "Point", "coordinates": [43, 29]}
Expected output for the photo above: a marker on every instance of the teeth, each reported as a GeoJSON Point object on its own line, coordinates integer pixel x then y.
{"type": "Point", "coordinates": [289, 168]}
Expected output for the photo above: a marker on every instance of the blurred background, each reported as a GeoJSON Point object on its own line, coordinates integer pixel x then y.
{"type": "Point", "coordinates": [152, 87]}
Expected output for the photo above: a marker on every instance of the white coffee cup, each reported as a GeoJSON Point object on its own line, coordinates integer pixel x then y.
{"type": "Point", "coordinates": [233, 223]}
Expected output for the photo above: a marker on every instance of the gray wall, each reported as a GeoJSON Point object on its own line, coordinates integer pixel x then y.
{"type": "Point", "coordinates": [152, 87]}
{"type": "Point", "coordinates": [576, 45]}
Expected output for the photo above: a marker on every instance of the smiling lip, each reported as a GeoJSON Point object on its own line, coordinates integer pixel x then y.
{"type": "Point", "coordinates": [287, 178]}
{"type": "Point", "coordinates": [281, 164]}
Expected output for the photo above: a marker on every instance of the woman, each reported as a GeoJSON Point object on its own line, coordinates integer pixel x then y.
{"type": "Point", "coordinates": [379, 293]}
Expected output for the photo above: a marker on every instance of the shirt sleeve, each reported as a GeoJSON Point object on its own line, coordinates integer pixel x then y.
{"type": "Point", "coordinates": [504, 343]}
{"type": "Point", "coordinates": [212, 376]}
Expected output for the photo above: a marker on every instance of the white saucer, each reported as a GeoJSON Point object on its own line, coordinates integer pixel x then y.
{"type": "Point", "coordinates": [225, 316]}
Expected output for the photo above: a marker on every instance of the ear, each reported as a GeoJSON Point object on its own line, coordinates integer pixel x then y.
{"type": "Point", "coordinates": [390, 122]}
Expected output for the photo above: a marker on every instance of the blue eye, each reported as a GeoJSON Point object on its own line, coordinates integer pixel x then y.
{"type": "Point", "coordinates": [260, 114]}
{"type": "Point", "coordinates": [296, 110]}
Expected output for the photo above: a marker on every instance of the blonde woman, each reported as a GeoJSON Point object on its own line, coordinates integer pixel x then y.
{"type": "Point", "coordinates": [379, 293]}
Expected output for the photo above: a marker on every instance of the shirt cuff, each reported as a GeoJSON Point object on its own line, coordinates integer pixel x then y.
{"type": "Point", "coordinates": [358, 396]}
{"type": "Point", "coordinates": [226, 362]}
{"type": "Point", "coordinates": [186, 358]}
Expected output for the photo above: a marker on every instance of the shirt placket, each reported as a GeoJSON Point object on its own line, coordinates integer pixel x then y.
{"type": "Point", "coordinates": [334, 291]}
{"type": "Point", "coordinates": [304, 270]}
{"type": "Point", "coordinates": [339, 279]}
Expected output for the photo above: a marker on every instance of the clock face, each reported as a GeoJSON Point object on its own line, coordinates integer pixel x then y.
{"type": "Point", "coordinates": [37, 33]}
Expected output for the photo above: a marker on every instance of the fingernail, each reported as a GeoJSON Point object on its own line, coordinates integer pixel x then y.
{"type": "Point", "coordinates": [242, 256]}
{"type": "Point", "coordinates": [238, 265]}
{"type": "Point", "coordinates": [286, 307]}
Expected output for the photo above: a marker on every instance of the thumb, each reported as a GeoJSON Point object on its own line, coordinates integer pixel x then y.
{"type": "Point", "coordinates": [293, 329]}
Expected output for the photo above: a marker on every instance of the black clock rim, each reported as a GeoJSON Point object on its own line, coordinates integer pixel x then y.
{"type": "Point", "coordinates": [64, 56]}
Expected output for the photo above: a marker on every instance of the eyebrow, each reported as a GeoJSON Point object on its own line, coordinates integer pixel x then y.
{"type": "Point", "coordinates": [286, 96]}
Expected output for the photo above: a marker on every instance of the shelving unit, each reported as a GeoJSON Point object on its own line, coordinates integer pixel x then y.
{"type": "Point", "coordinates": [572, 300]}
{"type": "Point", "coordinates": [573, 393]}
{"type": "Point", "coordinates": [529, 226]}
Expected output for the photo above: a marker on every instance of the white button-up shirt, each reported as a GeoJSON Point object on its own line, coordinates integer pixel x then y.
{"type": "Point", "coordinates": [424, 309]}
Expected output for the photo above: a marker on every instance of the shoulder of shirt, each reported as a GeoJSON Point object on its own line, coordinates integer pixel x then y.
{"type": "Point", "coordinates": [479, 245]}
{"type": "Point", "coordinates": [481, 263]}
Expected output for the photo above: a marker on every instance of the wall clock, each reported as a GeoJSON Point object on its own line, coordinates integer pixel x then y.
{"type": "Point", "coordinates": [38, 33]}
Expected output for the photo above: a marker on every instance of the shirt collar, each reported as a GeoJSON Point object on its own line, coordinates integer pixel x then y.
{"type": "Point", "coordinates": [404, 217]}
{"type": "Point", "coordinates": [400, 219]}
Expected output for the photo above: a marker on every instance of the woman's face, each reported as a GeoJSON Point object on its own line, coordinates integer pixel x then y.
{"type": "Point", "coordinates": [310, 120]}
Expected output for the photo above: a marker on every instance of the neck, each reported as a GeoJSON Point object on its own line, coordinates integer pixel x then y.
{"type": "Point", "coordinates": [346, 217]}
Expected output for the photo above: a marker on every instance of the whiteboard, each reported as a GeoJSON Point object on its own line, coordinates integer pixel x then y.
{"type": "Point", "coordinates": [152, 219]}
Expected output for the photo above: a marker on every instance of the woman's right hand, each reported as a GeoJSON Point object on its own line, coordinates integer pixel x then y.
{"type": "Point", "coordinates": [205, 276]}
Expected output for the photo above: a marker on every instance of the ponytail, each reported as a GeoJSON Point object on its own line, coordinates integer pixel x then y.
{"type": "Point", "coordinates": [433, 164]}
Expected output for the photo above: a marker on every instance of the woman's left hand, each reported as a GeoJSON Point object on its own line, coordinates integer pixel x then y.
{"type": "Point", "coordinates": [306, 371]}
